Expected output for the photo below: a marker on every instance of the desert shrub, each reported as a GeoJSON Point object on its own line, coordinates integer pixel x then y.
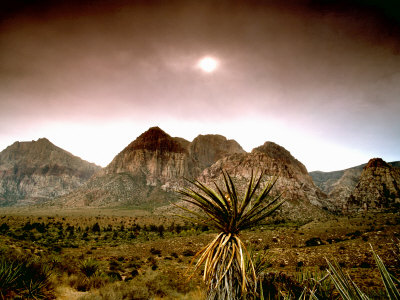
{"type": "Point", "coordinates": [4, 228]}
{"type": "Point", "coordinates": [274, 284]}
{"type": "Point", "coordinates": [82, 283]}
{"type": "Point", "coordinates": [315, 241]}
{"type": "Point", "coordinates": [152, 285]}
{"type": "Point", "coordinates": [96, 227]}
{"type": "Point", "coordinates": [115, 265]}
{"type": "Point", "coordinates": [115, 276]}
{"type": "Point", "coordinates": [89, 267]}
{"type": "Point", "coordinates": [24, 278]}
{"type": "Point", "coordinates": [155, 251]}
{"type": "Point", "coordinates": [188, 252]}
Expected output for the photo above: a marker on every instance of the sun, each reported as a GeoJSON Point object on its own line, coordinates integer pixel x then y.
{"type": "Point", "coordinates": [208, 64]}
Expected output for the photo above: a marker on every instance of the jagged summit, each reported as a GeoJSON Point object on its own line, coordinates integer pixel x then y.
{"type": "Point", "coordinates": [155, 139]}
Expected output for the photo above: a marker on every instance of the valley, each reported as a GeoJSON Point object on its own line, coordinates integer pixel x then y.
{"type": "Point", "coordinates": [134, 252]}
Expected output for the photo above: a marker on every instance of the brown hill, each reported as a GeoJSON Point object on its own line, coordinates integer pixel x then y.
{"type": "Point", "coordinates": [31, 172]}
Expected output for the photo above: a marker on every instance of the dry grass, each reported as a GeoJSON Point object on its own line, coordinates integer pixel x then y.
{"type": "Point", "coordinates": [344, 239]}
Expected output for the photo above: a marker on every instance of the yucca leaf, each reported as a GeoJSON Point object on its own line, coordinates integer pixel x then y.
{"type": "Point", "coordinates": [391, 288]}
{"type": "Point", "coordinates": [346, 287]}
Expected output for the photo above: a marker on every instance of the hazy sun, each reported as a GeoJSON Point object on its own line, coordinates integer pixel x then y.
{"type": "Point", "coordinates": [208, 64]}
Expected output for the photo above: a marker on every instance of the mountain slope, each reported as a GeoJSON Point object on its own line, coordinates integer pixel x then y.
{"type": "Point", "coordinates": [31, 172]}
{"type": "Point", "coordinates": [150, 169]}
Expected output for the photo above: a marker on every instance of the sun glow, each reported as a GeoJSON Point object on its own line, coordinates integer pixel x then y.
{"type": "Point", "coordinates": [208, 64]}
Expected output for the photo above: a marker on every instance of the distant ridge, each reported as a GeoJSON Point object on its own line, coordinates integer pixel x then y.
{"type": "Point", "coordinates": [339, 185]}
{"type": "Point", "coordinates": [378, 187]}
{"type": "Point", "coordinates": [32, 172]}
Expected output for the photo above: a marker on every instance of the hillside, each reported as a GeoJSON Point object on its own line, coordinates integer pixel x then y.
{"type": "Point", "coordinates": [32, 172]}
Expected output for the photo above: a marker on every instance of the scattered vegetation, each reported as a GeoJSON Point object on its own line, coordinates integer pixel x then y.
{"type": "Point", "coordinates": [79, 262]}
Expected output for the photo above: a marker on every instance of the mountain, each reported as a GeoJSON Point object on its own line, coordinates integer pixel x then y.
{"type": "Point", "coordinates": [207, 149]}
{"type": "Point", "coordinates": [339, 185]}
{"type": "Point", "coordinates": [32, 172]}
{"type": "Point", "coordinates": [304, 199]}
{"type": "Point", "coordinates": [150, 169]}
{"type": "Point", "coordinates": [378, 187]}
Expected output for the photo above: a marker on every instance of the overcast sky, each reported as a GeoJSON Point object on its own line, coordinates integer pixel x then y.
{"type": "Point", "coordinates": [322, 80]}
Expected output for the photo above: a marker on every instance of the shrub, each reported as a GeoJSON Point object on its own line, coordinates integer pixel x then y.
{"type": "Point", "coordinates": [89, 267]}
{"type": "Point", "coordinates": [155, 251]}
{"type": "Point", "coordinates": [25, 278]}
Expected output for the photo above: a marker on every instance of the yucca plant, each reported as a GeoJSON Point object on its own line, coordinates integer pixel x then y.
{"type": "Point", "coordinates": [89, 267]}
{"type": "Point", "coordinates": [225, 257]}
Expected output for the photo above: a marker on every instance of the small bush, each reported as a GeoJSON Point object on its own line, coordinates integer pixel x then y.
{"type": "Point", "coordinates": [188, 252]}
{"type": "Point", "coordinates": [316, 241]}
{"type": "Point", "coordinates": [89, 267]}
{"type": "Point", "coordinates": [155, 251]}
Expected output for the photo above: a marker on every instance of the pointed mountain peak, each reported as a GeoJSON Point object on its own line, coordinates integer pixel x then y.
{"type": "Point", "coordinates": [156, 139]}
{"type": "Point", "coordinates": [377, 163]}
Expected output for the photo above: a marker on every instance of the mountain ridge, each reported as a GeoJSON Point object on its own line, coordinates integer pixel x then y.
{"type": "Point", "coordinates": [39, 170]}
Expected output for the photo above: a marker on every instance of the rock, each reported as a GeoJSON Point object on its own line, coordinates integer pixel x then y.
{"type": "Point", "coordinates": [304, 199]}
{"type": "Point", "coordinates": [207, 149]}
{"type": "Point", "coordinates": [32, 172]}
{"type": "Point", "coordinates": [339, 185]}
{"type": "Point", "coordinates": [150, 170]}
{"type": "Point", "coordinates": [378, 187]}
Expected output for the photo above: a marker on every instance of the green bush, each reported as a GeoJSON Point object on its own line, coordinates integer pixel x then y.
{"type": "Point", "coordinates": [24, 278]}
{"type": "Point", "coordinates": [89, 267]}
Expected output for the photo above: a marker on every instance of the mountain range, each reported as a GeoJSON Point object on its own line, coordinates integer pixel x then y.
{"type": "Point", "coordinates": [151, 168]}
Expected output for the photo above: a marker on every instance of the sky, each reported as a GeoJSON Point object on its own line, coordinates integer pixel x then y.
{"type": "Point", "coordinates": [320, 78]}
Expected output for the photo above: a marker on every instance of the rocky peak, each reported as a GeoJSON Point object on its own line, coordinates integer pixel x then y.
{"type": "Point", "coordinates": [39, 170]}
{"type": "Point", "coordinates": [155, 139]}
{"type": "Point", "coordinates": [207, 149]}
{"type": "Point", "coordinates": [153, 166]}
{"type": "Point", "coordinates": [378, 187]}
{"type": "Point", "coordinates": [274, 161]}
{"type": "Point", "coordinates": [377, 163]}
{"type": "Point", "coordinates": [279, 153]}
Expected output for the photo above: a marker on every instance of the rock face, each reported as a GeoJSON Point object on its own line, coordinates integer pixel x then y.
{"type": "Point", "coordinates": [207, 149]}
{"type": "Point", "coordinates": [151, 169]}
{"type": "Point", "coordinates": [304, 199]}
{"type": "Point", "coordinates": [339, 185]}
{"type": "Point", "coordinates": [156, 157]}
{"type": "Point", "coordinates": [31, 172]}
{"type": "Point", "coordinates": [378, 187]}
